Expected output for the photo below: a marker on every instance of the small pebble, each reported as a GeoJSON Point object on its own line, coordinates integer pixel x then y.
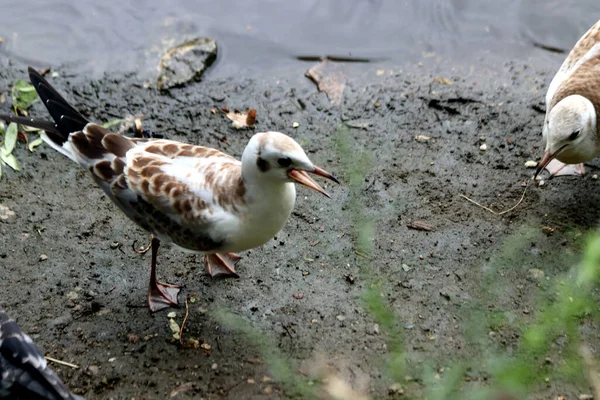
{"type": "Point", "coordinates": [340, 318]}
{"type": "Point", "coordinates": [295, 125]}
{"type": "Point", "coordinates": [483, 147]}
{"type": "Point", "coordinates": [43, 257]}
{"type": "Point", "coordinates": [541, 183]}
{"type": "Point", "coordinates": [594, 177]}
{"type": "Point", "coordinates": [61, 322]}
{"type": "Point", "coordinates": [93, 370]}
{"type": "Point", "coordinates": [206, 346]}
{"type": "Point", "coordinates": [112, 359]}
{"type": "Point", "coordinates": [298, 295]}
{"type": "Point", "coordinates": [214, 366]}
{"type": "Point", "coordinates": [115, 245]}
{"type": "Point", "coordinates": [172, 314]}
{"type": "Point", "coordinates": [406, 268]}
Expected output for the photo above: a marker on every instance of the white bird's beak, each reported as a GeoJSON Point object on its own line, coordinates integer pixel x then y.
{"type": "Point", "coordinates": [303, 178]}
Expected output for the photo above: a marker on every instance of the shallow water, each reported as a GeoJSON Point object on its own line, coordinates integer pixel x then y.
{"type": "Point", "coordinates": [256, 35]}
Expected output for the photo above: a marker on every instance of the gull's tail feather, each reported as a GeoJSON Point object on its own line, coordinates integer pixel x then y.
{"type": "Point", "coordinates": [67, 120]}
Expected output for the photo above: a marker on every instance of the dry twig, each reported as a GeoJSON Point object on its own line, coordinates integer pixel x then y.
{"type": "Point", "coordinates": [496, 212]}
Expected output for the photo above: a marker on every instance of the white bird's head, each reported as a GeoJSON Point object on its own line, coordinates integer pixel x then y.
{"type": "Point", "coordinates": [570, 132]}
{"type": "Point", "coordinates": [275, 157]}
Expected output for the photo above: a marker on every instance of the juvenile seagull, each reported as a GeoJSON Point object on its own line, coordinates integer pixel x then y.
{"type": "Point", "coordinates": [24, 373]}
{"type": "Point", "coordinates": [198, 198]}
{"type": "Point", "coordinates": [570, 130]}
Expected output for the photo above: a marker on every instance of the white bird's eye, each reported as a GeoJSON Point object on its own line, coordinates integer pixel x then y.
{"type": "Point", "coordinates": [574, 135]}
{"type": "Point", "coordinates": [284, 162]}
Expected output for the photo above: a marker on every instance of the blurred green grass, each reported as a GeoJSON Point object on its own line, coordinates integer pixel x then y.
{"type": "Point", "coordinates": [564, 302]}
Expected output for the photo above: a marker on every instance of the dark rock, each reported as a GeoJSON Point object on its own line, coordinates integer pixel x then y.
{"type": "Point", "coordinates": [186, 62]}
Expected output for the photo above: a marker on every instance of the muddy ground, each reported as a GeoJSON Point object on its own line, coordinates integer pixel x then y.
{"type": "Point", "coordinates": [84, 303]}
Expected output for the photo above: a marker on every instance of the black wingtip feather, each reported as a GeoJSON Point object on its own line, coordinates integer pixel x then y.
{"type": "Point", "coordinates": [67, 119]}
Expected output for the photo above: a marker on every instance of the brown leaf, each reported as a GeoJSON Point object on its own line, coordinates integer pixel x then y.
{"type": "Point", "coordinates": [329, 79]}
{"type": "Point", "coordinates": [244, 119]}
{"type": "Point", "coordinates": [420, 226]}
{"type": "Point", "coordinates": [21, 135]}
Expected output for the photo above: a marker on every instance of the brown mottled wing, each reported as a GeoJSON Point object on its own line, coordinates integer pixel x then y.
{"type": "Point", "coordinates": [584, 80]}
{"type": "Point", "coordinates": [582, 47]}
{"type": "Point", "coordinates": [572, 64]}
{"type": "Point", "coordinates": [183, 191]}
{"type": "Point", "coordinates": [174, 190]}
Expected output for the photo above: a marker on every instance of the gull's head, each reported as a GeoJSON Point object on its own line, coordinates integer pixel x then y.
{"type": "Point", "coordinates": [570, 132]}
{"type": "Point", "coordinates": [275, 157]}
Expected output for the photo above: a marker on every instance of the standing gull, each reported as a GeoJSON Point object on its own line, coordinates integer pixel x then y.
{"type": "Point", "coordinates": [24, 372]}
{"type": "Point", "coordinates": [570, 130]}
{"type": "Point", "coordinates": [198, 198]}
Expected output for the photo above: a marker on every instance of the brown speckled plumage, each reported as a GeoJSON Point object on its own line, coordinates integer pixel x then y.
{"type": "Point", "coordinates": [134, 174]}
{"type": "Point", "coordinates": [580, 72]}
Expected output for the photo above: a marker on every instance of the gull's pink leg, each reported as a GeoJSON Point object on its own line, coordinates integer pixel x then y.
{"type": "Point", "coordinates": [160, 295]}
{"type": "Point", "coordinates": [557, 168]}
{"type": "Point", "coordinates": [221, 264]}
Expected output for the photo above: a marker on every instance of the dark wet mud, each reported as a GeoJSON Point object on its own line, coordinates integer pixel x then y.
{"type": "Point", "coordinates": [69, 277]}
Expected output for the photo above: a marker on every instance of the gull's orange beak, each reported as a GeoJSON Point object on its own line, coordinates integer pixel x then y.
{"type": "Point", "coordinates": [546, 160]}
{"type": "Point", "coordinates": [303, 178]}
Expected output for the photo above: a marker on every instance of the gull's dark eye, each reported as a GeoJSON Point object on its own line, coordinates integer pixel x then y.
{"type": "Point", "coordinates": [284, 162]}
{"type": "Point", "coordinates": [574, 135]}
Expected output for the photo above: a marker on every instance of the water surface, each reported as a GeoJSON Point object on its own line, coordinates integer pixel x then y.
{"type": "Point", "coordinates": [258, 35]}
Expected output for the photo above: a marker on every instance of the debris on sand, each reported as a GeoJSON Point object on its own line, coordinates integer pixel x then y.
{"type": "Point", "coordinates": [298, 295]}
{"type": "Point", "coordinates": [420, 226]}
{"type": "Point", "coordinates": [422, 138]}
{"type": "Point", "coordinates": [241, 119]}
{"type": "Point", "coordinates": [329, 79]}
{"type": "Point", "coordinates": [531, 164]}
{"type": "Point", "coordinates": [186, 62]}
{"type": "Point", "coordinates": [5, 212]}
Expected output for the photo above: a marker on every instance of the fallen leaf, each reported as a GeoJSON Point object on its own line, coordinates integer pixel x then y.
{"type": "Point", "coordinates": [329, 79]}
{"type": "Point", "coordinates": [22, 136]}
{"type": "Point", "coordinates": [9, 160]}
{"type": "Point", "coordinates": [23, 95]}
{"type": "Point", "coordinates": [420, 226]}
{"type": "Point", "coordinates": [32, 145]}
{"type": "Point", "coordinates": [244, 119]}
{"type": "Point", "coordinates": [10, 138]}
